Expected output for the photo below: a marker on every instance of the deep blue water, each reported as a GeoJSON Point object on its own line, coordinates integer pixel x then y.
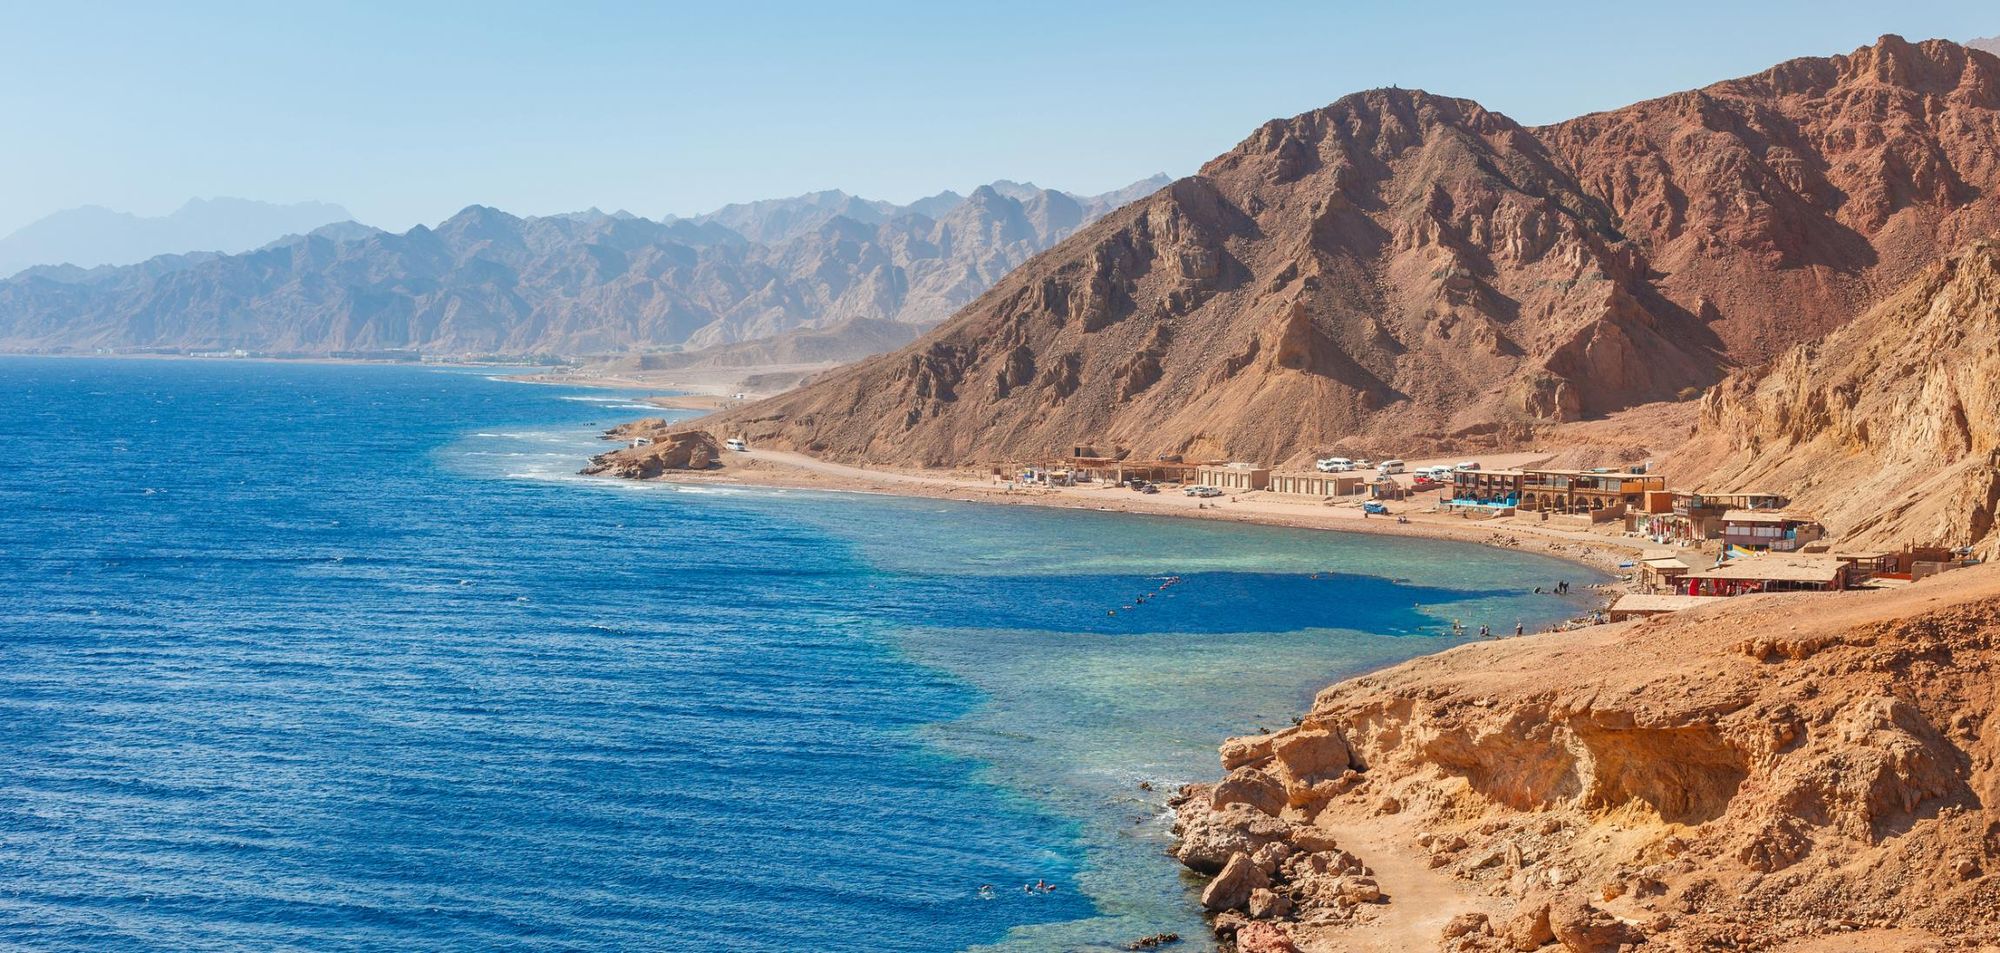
{"type": "Point", "coordinates": [343, 658]}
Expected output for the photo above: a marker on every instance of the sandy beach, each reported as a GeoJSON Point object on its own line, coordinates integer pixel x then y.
{"type": "Point", "coordinates": [777, 468]}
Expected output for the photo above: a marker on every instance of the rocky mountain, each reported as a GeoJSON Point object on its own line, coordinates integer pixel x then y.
{"type": "Point", "coordinates": [91, 236]}
{"type": "Point", "coordinates": [1889, 429]}
{"type": "Point", "coordinates": [488, 282]}
{"type": "Point", "coordinates": [1402, 271]}
{"type": "Point", "coordinates": [1990, 44]}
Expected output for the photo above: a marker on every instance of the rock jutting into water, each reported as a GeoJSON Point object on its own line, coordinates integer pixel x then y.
{"type": "Point", "coordinates": [1745, 776]}
{"type": "Point", "coordinates": [653, 448]}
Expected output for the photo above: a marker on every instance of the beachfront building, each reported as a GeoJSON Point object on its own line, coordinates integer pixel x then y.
{"type": "Point", "coordinates": [1662, 573]}
{"type": "Point", "coordinates": [1487, 487]}
{"type": "Point", "coordinates": [1695, 518]}
{"type": "Point", "coordinates": [1767, 531]}
{"type": "Point", "coordinates": [1772, 572]}
{"type": "Point", "coordinates": [1586, 491]}
{"type": "Point", "coordinates": [1234, 476]}
{"type": "Point", "coordinates": [1316, 484]}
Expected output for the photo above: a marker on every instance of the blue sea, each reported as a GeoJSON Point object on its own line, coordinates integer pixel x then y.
{"type": "Point", "coordinates": [301, 657]}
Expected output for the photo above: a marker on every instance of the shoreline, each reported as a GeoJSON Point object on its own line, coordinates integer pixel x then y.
{"type": "Point", "coordinates": [783, 470]}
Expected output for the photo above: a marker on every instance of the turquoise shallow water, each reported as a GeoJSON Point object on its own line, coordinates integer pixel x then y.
{"type": "Point", "coordinates": [345, 658]}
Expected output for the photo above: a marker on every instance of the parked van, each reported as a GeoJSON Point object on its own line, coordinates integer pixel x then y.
{"type": "Point", "coordinates": [1335, 465]}
{"type": "Point", "coordinates": [737, 444]}
{"type": "Point", "coordinates": [1389, 467]}
{"type": "Point", "coordinates": [1469, 465]}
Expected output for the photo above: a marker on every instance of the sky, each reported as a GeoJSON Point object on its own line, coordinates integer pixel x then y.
{"type": "Point", "coordinates": [407, 112]}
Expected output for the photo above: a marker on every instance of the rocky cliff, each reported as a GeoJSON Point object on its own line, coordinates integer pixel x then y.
{"type": "Point", "coordinates": [487, 282]}
{"type": "Point", "coordinates": [1407, 271]}
{"type": "Point", "coordinates": [1744, 776]}
{"type": "Point", "coordinates": [1889, 429]}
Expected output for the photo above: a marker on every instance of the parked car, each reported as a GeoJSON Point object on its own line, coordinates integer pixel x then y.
{"type": "Point", "coordinates": [1375, 508]}
{"type": "Point", "coordinates": [1423, 481]}
{"type": "Point", "coordinates": [1148, 488]}
{"type": "Point", "coordinates": [1207, 491]}
{"type": "Point", "coordinates": [1469, 465]}
{"type": "Point", "coordinates": [1389, 467]}
{"type": "Point", "coordinates": [1335, 465]}
{"type": "Point", "coordinates": [1140, 486]}
{"type": "Point", "coordinates": [737, 444]}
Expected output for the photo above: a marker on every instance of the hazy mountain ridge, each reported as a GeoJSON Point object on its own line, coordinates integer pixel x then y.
{"type": "Point", "coordinates": [92, 236]}
{"type": "Point", "coordinates": [1407, 271]}
{"type": "Point", "coordinates": [772, 221]}
{"type": "Point", "coordinates": [484, 281]}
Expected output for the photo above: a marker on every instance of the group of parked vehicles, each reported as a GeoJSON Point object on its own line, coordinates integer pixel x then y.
{"type": "Point", "coordinates": [1436, 474]}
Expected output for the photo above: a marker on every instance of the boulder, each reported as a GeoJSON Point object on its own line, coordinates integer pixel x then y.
{"type": "Point", "coordinates": [1308, 755]}
{"type": "Point", "coordinates": [1528, 929]}
{"type": "Point", "coordinates": [1467, 924]}
{"type": "Point", "coordinates": [1263, 936]}
{"type": "Point", "coordinates": [1250, 786]}
{"type": "Point", "coordinates": [1250, 750]}
{"type": "Point", "coordinates": [1582, 928]}
{"type": "Point", "coordinates": [1209, 837]}
{"type": "Point", "coordinates": [1357, 890]}
{"type": "Point", "coordinates": [1230, 890]}
{"type": "Point", "coordinates": [1266, 904]}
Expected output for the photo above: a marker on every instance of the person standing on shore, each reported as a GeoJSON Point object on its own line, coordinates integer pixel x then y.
{"type": "Point", "coordinates": [1517, 628]}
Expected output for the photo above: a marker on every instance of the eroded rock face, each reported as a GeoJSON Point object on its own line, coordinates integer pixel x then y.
{"type": "Point", "coordinates": [1889, 429]}
{"type": "Point", "coordinates": [660, 449]}
{"type": "Point", "coordinates": [1679, 786]}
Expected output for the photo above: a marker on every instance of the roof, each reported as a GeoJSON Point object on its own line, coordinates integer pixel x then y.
{"type": "Point", "coordinates": [1777, 568]}
{"type": "Point", "coordinates": [1611, 472]}
{"type": "Point", "coordinates": [1643, 603]}
{"type": "Point", "coordinates": [1765, 516]}
{"type": "Point", "coordinates": [1321, 474]}
{"type": "Point", "coordinates": [1665, 562]}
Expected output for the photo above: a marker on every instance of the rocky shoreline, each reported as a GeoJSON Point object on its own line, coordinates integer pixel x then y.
{"type": "Point", "coordinates": [1778, 773]}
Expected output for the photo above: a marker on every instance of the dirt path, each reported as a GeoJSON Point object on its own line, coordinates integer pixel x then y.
{"type": "Point", "coordinates": [1421, 900]}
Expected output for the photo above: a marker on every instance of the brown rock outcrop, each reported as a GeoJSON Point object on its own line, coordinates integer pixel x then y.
{"type": "Point", "coordinates": [1889, 429]}
{"type": "Point", "coordinates": [1676, 787]}
{"type": "Point", "coordinates": [659, 448]}
{"type": "Point", "coordinates": [1407, 270]}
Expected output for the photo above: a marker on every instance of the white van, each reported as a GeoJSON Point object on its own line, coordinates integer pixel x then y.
{"type": "Point", "coordinates": [737, 444]}
{"type": "Point", "coordinates": [1439, 473]}
{"type": "Point", "coordinates": [1469, 465]}
{"type": "Point", "coordinates": [1335, 465]}
{"type": "Point", "coordinates": [1389, 467]}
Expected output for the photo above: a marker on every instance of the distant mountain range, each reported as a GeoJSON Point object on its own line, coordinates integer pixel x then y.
{"type": "Point", "coordinates": [779, 220]}
{"type": "Point", "coordinates": [1991, 45]}
{"type": "Point", "coordinates": [485, 282]}
{"type": "Point", "coordinates": [91, 236]}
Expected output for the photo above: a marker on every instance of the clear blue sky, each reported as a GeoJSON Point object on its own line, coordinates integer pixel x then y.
{"type": "Point", "coordinates": [406, 112]}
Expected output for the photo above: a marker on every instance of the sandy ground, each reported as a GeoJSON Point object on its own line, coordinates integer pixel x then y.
{"type": "Point", "coordinates": [1603, 551]}
{"type": "Point", "coordinates": [721, 386]}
